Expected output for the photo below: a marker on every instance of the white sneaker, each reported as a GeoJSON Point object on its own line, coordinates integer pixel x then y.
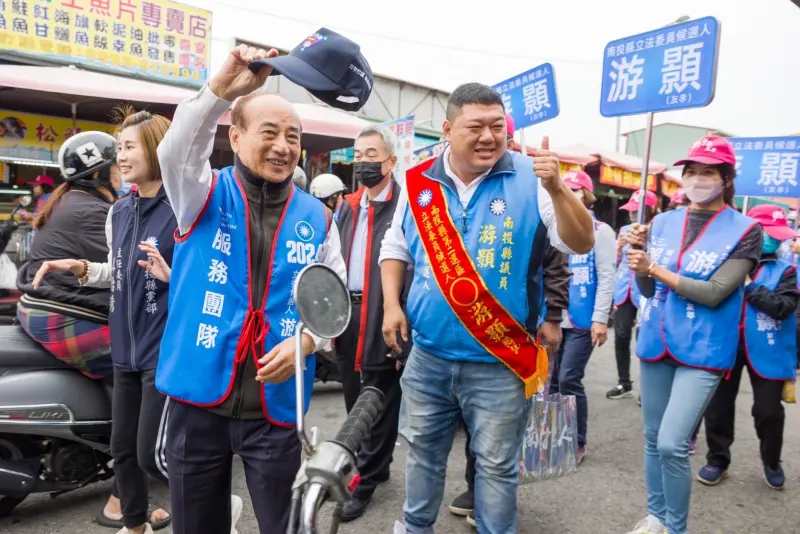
{"type": "Point", "coordinates": [147, 529]}
{"type": "Point", "coordinates": [649, 525]}
{"type": "Point", "coordinates": [236, 512]}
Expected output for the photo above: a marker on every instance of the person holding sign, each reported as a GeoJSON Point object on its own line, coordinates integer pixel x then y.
{"type": "Point", "coordinates": [585, 321]}
{"type": "Point", "coordinates": [626, 297]}
{"type": "Point", "coordinates": [692, 275]}
{"type": "Point", "coordinates": [768, 349]}
{"type": "Point", "coordinates": [471, 222]}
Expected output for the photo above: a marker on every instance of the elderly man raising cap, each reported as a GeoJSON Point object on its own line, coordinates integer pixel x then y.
{"type": "Point", "coordinates": [227, 356]}
{"type": "Point", "coordinates": [626, 297]}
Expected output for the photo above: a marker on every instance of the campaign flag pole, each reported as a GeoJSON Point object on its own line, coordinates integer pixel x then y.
{"type": "Point", "coordinates": [523, 148]}
{"type": "Point", "coordinates": [671, 68]}
{"type": "Point", "coordinates": [648, 138]}
{"type": "Point", "coordinates": [745, 204]}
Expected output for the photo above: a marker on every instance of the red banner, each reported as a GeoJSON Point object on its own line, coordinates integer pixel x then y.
{"type": "Point", "coordinates": [464, 289]}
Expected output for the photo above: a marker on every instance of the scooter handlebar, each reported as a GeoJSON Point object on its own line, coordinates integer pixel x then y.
{"type": "Point", "coordinates": [366, 409]}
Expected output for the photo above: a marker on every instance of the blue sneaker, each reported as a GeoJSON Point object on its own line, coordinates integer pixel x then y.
{"type": "Point", "coordinates": [711, 475]}
{"type": "Point", "coordinates": [774, 477]}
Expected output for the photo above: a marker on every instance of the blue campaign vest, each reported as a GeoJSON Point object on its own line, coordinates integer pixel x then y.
{"type": "Point", "coordinates": [582, 287]}
{"type": "Point", "coordinates": [212, 328]}
{"type": "Point", "coordinates": [497, 227]}
{"type": "Point", "coordinates": [786, 254]}
{"type": "Point", "coordinates": [625, 287]}
{"type": "Point", "coordinates": [693, 334]}
{"type": "Point", "coordinates": [770, 344]}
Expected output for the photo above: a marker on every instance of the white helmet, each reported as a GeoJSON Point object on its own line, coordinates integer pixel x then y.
{"type": "Point", "coordinates": [299, 177]}
{"type": "Point", "coordinates": [326, 185]}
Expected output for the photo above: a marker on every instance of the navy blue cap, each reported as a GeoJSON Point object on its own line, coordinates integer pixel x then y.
{"type": "Point", "coordinates": [329, 66]}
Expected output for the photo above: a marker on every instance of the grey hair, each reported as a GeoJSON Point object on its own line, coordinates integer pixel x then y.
{"type": "Point", "coordinates": [389, 139]}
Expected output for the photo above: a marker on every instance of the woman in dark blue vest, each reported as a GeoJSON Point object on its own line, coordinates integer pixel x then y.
{"type": "Point", "coordinates": [692, 275]}
{"type": "Point", "coordinates": [768, 349]}
{"type": "Point", "coordinates": [627, 297]}
{"type": "Point", "coordinates": [136, 225]}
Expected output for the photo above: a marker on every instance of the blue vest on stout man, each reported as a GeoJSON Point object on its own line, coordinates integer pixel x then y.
{"type": "Point", "coordinates": [212, 327]}
{"type": "Point", "coordinates": [693, 334]}
{"type": "Point", "coordinates": [770, 344]}
{"type": "Point", "coordinates": [582, 287]}
{"type": "Point", "coordinates": [625, 287]}
{"type": "Point", "coordinates": [497, 228]}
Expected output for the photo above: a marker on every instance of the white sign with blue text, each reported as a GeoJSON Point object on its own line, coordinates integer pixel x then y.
{"type": "Point", "coordinates": [767, 166]}
{"type": "Point", "coordinates": [662, 70]}
{"type": "Point", "coordinates": [530, 97]}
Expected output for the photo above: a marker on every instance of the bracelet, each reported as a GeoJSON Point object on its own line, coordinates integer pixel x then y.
{"type": "Point", "coordinates": [83, 279]}
{"type": "Point", "coordinates": [651, 267]}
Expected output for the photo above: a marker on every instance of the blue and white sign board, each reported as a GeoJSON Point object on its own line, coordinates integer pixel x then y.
{"type": "Point", "coordinates": [530, 97]}
{"type": "Point", "coordinates": [767, 166]}
{"type": "Point", "coordinates": [663, 70]}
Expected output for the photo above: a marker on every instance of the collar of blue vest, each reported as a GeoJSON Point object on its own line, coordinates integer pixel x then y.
{"type": "Point", "coordinates": [504, 166]}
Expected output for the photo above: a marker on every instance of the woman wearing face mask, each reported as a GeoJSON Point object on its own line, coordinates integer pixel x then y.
{"type": "Point", "coordinates": [329, 189]}
{"type": "Point", "coordinates": [768, 349]}
{"type": "Point", "coordinates": [692, 275]}
{"type": "Point", "coordinates": [136, 226]}
{"type": "Point", "coordinates": [626, 297]}
{"type": "Point", "coordinates": [585, 322]}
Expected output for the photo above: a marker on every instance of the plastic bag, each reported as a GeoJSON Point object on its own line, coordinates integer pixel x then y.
{"type": "Point", "coordinates": [789, 395]}
{"type": "Point", "coordinates": [8, 272]}
{"type": "Point", "coordinates": [550, 445]}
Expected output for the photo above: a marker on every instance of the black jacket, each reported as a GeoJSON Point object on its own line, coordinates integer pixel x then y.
{"type": "Point", "coordinates": [779, 304]}
{"type": "Point", "coordinates": [138, 300]}
{"type": "Point", "coordinates": [371, 351]}
{"type": "Point", "coordinates": [75, 229]}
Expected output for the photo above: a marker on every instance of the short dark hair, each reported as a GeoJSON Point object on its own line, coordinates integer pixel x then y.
{"type": "Point", "coordinates": [471, 93]}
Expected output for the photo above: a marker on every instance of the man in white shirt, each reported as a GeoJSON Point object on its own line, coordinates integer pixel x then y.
{"type": "Point", "coordinates": [362, 355]}
{"type": "Point", "coordinates": [471, 223]}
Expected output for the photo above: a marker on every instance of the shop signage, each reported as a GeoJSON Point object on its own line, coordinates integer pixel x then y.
{"type": "Point", "coordinates": [617, 177]}
{"type": "Point", "coordinates": [157, 39]}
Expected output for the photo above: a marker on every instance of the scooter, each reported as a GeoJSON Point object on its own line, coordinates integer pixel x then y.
{"type": "Point", "coordinates": [55, 423]}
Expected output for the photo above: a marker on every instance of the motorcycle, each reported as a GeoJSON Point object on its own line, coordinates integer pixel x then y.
{"type": "Point", "coordinates": [55, 423]}
{"type": "Point", "coordinates": [328, 471]}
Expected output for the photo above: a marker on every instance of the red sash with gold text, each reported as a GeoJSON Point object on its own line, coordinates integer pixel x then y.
{"type": "Point", "coordinates": [464, 289]}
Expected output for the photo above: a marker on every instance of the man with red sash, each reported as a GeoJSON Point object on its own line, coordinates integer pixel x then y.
{"type": "Point", "coordinates": [474, 224]}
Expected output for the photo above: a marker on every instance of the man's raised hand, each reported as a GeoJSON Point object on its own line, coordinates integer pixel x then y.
{"type": "Point", "coordinates": [546, 166]}
{"type": "Point", "coordinates": [235, 78]}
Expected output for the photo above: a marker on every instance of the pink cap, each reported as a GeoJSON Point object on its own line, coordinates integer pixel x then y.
{"type": "Point", "coordinates": [578, 180]}
{"type": "Point", "coordinates": [650, 200]}
{"type": "Point", "coordinates": [679, 197]}
{"type": "Point", "coordinates": [773, 221]}
{"type": "Point", "coordinates": [711, 150]}
{"type": "Point", "coordinates": [43, 179]}
{"type": "Point", "coordinates": [509, 126]}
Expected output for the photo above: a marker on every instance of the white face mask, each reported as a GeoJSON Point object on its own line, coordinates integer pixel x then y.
{"type": "Point", "coordinates": [578, 194]}
{"type": "Point", "coordinates": [701, 189]}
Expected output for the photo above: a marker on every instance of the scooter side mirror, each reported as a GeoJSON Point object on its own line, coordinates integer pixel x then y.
{"type": "Point", "coordinates": [322, 301]}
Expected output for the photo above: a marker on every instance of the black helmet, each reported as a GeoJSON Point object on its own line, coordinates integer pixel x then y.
{"type": "Point", "coordinates": [86, 153]}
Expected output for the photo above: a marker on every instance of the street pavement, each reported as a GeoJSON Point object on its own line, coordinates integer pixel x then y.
{"type": "Point", "coordinates": [606, 496]}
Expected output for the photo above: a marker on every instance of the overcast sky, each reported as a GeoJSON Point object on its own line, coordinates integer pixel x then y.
{"type": "Point", "coordinates": [758, 78]}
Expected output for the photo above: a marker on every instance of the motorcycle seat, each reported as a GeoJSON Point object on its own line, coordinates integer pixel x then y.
{"type": "Point", "coordinates": [19, 350]}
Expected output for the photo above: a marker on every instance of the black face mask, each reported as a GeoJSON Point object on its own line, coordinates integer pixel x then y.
{"type": "Point", "coordinates": [368, 172]}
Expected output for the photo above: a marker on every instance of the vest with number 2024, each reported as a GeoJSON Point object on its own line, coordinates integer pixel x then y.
{"type": "Point", "coordinates": [770, 344]}
{"type": "Point", "coordinates": [212, 327]}
{"type": "Point", "coordinates": [693, 334]}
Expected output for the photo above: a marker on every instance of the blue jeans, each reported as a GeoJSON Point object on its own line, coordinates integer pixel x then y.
{"type": "Point", "coordinates": [437, 393]}
{"type": "Point", "coordinates": [568, 371]}
{"type": "Point", "coordinates": [674, 398]}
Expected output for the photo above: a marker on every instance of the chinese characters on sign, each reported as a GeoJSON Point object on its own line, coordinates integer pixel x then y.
{"type": "Point", "coordinates": [38, 137]}
{"type": "Point", "coordinates": [662, 70]}
{"type": "Point", "coordinates": [157, 39]}
{"type": "Point", "coordinates": [530, 98]}
{"type": "Point", "coordinates": [403, 129]}
{"type": "Point", "coordinates": [618, 177]}
{"type": "Point", "coordinates": [767, 166]}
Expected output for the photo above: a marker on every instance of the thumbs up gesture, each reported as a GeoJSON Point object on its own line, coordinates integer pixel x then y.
{"type": "Point", "coordinates": [546, 166]}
